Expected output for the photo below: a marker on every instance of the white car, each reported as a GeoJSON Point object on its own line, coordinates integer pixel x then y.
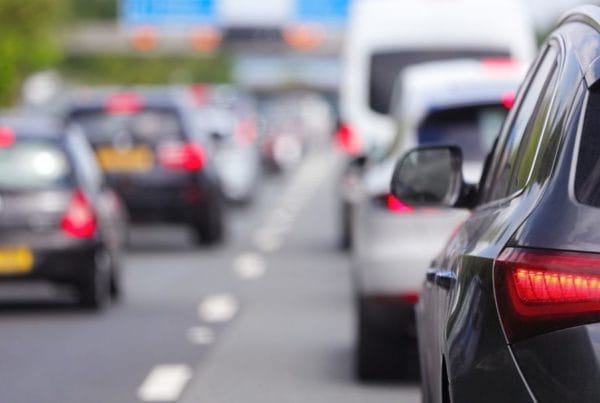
{"type": "Point", "coordinates": [453, 102]}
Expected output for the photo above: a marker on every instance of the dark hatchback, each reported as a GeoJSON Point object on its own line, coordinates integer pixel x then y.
{"type": "Point", "coordinates": [510, 309]}
{"type": "Point", "coordinates": [146, 145]}
{"type": "Point", "coordinates": [59, 222]}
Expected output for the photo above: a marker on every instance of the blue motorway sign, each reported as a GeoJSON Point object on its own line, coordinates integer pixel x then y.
{"type": "Point", "coordinates": [322, 10]}
{"type": "Point", "coordinates": [168, 13]}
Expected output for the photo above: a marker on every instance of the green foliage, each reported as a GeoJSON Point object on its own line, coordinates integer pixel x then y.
{"type": "Point", "coordinates": [28, 40]}
{"type": "Point", "coordinates": [141, 69]}
{"type": "Point", "coordinates": [94, 9]}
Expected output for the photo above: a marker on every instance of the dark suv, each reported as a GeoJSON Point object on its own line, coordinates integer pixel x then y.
{"type": "Point", "coordinates": [59, 222]}
{"type": "Point", "coordinates": [146, 144]}
{"type": "Point", "coordinates": [510, 309]}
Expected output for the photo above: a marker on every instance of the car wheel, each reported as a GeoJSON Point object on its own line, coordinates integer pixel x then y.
{"type": "Point", "coordinates": [95, 285]}
{"type": "Point", "coordinates": [211, 229]}
{"type": "Point", "coordinates": [345, 227]}
{"type": "Point", "coordinates": [381, 354]}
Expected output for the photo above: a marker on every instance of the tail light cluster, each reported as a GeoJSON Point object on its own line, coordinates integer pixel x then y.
{"type": "Point", "coordinates": [79, 221]}
{"type": "Point", "coordinates": [347, 140]}
{"type": "Point", "coordinates": [539, 290]}
{"type": "Point", "coordinates": [181, 156]}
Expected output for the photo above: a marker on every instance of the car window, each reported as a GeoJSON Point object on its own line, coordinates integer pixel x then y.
{"type": "Point", "coordinates": [587, 177]}
{"type": "Point", "coordinates": [149, 126]}
{"type": "Point", "coordinates": [385, 67]}
{"type": "Point", "coordinates": [34, 165]}
{"type": "Point", "coordinates": [472, 128]}
{"type": "Point", "coordinates": [524, 121]}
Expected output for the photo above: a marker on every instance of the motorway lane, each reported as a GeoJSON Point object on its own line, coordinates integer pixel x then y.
{"type": "Point", "coordinates": [290, 341]}
{"type": "Point", "coordinates": [293, 340]}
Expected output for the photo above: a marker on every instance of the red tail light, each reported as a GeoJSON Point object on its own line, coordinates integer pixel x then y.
{"type": "Point", "coordinates": [347, 140]}
{"type": "Point", "coordinates": [539, 290]}
{"type": "Point", "coordinates": [126, 103]}
{"type": "Point", "coordinates": [80, 219]}
{"type": "Point", "coordinates": [508, 99]}
{"type": "Point", "coordinates": [397, 206]}
{"type": "Point", "coordinates": [181, 157]}
{"type": "Point", "coordinates": [7, 137]}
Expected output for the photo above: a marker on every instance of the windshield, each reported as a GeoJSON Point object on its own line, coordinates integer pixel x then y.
{"type": "Point", "coordinates": [472, 128]}
{"type": "Point", "coordinates": [149, 126]}
{"type": "Point", "coordinates": [33, 165]}
{"type": "Point", "coordinates": [385, 67]}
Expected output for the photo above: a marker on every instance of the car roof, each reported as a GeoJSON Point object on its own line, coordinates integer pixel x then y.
{"type": "Point", "coordinates": [33, 126]}
{"type": "Point", "coordinates": [588, 57]}
{"type": "Point", "coordinates": [153, 97]}
{"type": "Point", "coordinates": [448, 84]}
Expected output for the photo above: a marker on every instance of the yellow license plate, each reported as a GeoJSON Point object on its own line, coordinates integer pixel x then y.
{"type": "Point", "coordinates": [136, 159]}
{"type": "Point", "coordinates": [15, 260]}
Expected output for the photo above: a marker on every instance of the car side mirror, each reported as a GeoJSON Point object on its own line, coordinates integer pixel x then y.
{"type": "Point", "coordinates": [431, 176]}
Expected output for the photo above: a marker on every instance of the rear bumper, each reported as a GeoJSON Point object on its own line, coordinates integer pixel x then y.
{"type": "Point", "coordinates": [61, 265]}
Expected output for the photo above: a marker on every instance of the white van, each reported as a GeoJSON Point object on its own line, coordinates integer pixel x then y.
{"type": "Point", "coordinates": [384, 36]}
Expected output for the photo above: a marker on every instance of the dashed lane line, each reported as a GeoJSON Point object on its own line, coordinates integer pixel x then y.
{"type": "Point", "coordinates": [165, 383]}
{"type": "Point", "coordinates": [218, 308]}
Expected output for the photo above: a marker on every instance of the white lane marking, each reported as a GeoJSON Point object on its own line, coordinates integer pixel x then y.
{"type": "Point", "coordinates": [305, 182]}
{"type": "Point", "coordinates": [218, 308]}
{"type": "Point", "coordinates": [165, 383]}
{"type": "Point", "coordinates": [201, 335]}
{"type": "Point", "coordinates": [249, 266]}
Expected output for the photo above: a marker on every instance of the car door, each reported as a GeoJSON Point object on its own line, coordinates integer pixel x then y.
{"type": "Point", "coordinates": [458, 295]}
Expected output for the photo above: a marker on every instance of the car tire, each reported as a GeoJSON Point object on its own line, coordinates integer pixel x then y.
{"type": "Point", "coordinates": [345, 227]}
{"type": "Point", "coordinates": [211, 229]}
{"type": "Point", "coordinates": [380, 355]}
{"type": "Point", "coordinates": [94, 287]}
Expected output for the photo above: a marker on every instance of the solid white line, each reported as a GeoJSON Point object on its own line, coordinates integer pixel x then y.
{"type": "Point", "coordinates": [218, 308]}
{"type": "Point", "coordinates": [165, 383]}
{"type": "Point", "coordinates": [249, 266]}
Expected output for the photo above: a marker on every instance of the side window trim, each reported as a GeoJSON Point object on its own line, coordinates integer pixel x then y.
{"type": "Point", "coordinates": [487, 188]}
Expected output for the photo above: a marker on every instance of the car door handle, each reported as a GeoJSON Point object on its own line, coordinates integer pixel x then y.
{"type": "Point", "coordinates": [430, 275]}
{"type": "Point", "coordinates": [445, 279]}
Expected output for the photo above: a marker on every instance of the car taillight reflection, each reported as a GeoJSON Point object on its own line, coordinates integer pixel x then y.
{"type": "Point", "coordinates": [79, 220]}
{"type": "Point", "coordinates": [181, 157]}
{"type": "Point", "coordinates": [7, 137]}
{"type": "Point", "coordinates": [540, 290]}
{"type": "Point", "coordinates": [397, 206]}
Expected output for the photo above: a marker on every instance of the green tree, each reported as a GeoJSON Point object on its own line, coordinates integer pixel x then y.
{"type": "Point", "coordinates": [29, 40]}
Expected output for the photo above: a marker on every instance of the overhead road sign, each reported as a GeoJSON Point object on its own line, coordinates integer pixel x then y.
{"type": "Point", "coordinates": [170, 14]}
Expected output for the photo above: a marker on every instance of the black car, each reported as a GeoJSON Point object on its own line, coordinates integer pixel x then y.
{"type": "Point", "coordinates": [59, 222]}
{"type": "Point", "coordinates": [146, 144]}
{"type": "Point", "coordinates": [510, 309]}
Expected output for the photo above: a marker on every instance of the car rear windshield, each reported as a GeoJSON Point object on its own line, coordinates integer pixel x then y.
{"type": "Point", "coordinates": [385, 67]}
{"type": "Point", "coordinates": [587, 177]}
{"type": "Point", "coordinates": [472, 128]}
{"type": "Point", "coordinates": [34, 165]}
{"type": "Point", "coordinates": [149, 126]}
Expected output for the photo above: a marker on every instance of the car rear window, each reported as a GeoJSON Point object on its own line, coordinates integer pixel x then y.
{"type": "Point", "coordinates": [472, 128]}
{"type": "Point", "coordinates": [34, 165]}
{"type": "Point", "coordinates": [587, 177]}
{"type": "Point", "coordinates": [385, 67]}
{"type": "Point", "coordinates": [149, 126]}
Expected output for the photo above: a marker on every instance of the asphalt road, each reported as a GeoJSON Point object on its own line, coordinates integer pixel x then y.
{"type": "Point", "coordinates": [265, 318]}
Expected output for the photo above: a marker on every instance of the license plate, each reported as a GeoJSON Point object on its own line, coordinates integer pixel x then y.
{"type": "Point", "coordinates": [15, 260]}
{"type": "Point", "coordinates": [136, 159]}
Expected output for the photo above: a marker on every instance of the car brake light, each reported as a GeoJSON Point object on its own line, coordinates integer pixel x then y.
{"type": "Point", "coordinates": [181, 157]}
{"type": "Point", "coordinates": [396, 205]}
{"type": "Point", "coordinates": [80, 220]}
{"type": "Point", "coordinates": [7, 137]}
{"type": "Point", "coordinates": [540, 290]}
{"type": "Point", "coordinates": [347, 140]}
{"type": "Point", "coordinates": [508, 99]}
{"type": "Point", "coordinates": [126, 103]}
